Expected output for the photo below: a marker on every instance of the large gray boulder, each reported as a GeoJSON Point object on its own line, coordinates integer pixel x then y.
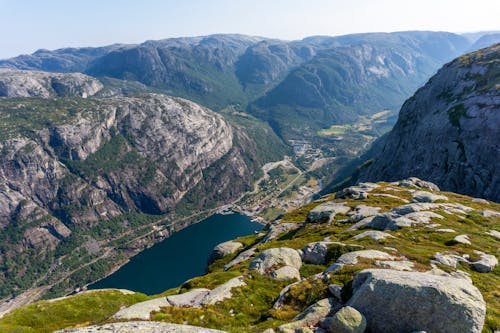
{"type": "Point", "coordinates": [315, 253]}
{"type": "Point", "coordinates": [327, 211]}
{"type": "Point", "coordinates": [351, 258]}
{"type": "Point", "coordinates": [224, 249]}
{"type": "Point", "coordinates": [191, 298]}
{"type": "Point", "coordinates": [311, 316]}
{"type": "Point", "coordinates": [395, 301]}
{"type": "Point", "coordinates": [346, 320]}
{"type": "Point", "coordinates": [272, 259]}
{"type": "Point", "coordinates": [485, 264]}
{"type": "Point", "coordinates": [222, 292]}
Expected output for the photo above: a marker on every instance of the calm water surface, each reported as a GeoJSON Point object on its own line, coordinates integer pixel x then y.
{"type": "Point", "coordinates": [179, 257]}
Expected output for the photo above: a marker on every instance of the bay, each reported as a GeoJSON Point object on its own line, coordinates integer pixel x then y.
{"type": "Point", "coordinates": [178, 258]}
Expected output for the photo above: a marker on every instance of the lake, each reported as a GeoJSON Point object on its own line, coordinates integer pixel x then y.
{"type": "Point", "coordinates": [178, 258]}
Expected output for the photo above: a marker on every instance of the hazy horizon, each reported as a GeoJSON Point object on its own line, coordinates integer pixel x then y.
{"type": "Point", "coordinates": [53, 24]}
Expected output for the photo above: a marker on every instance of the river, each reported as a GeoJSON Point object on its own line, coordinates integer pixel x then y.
{"type": "Point", "coordinates": [178, 258]}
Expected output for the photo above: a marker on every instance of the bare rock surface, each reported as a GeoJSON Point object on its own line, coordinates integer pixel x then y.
{"type": "Point", "coordinates": [141, 327]}
{"type": "Point", "coordinates": [272, 259]}
{"type": "Point", "coordinates": [18, 83]}
{"type": "Point", "coordinates": [436, 303]}
{"type": "Point", "coordinates": [326, 212]}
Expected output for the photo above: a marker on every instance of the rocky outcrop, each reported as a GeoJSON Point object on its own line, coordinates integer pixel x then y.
{"type": "Point", "coordinates": [418, 301]}
{"type": "Point", "coordinates": [141, 327]}
{"type": "Point", "coordinates": [224, 249]}
{"type": "Point", "coordinates": [326, 212]}
{"type": "Point", "coordinates": [15, 83]}
{"type": "Point", "coordinates": [272, 259]}
{"type": "Point", "coordinates": [346, 320]}
{"type": "Point", "coordinates": [447, 132]}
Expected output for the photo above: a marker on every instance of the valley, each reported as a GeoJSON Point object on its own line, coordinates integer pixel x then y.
{"type": "Point", "coordinates": [110, 154]}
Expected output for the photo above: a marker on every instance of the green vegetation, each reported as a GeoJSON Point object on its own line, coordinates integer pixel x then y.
{"type": "Point", "coordinates": [250, 308]}
{"type": "Point", "coordinates": [84, 309]}
{"type": "Point", "coordinates": [24, 116]}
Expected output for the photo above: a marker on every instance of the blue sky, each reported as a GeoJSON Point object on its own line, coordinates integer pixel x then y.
{"type": "Point", "coordinates": [28, 25]}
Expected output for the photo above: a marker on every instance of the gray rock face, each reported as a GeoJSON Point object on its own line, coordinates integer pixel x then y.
{"type": "Point", "coordinates": [142, 310]}
{"type": "Point", "coordinates": [351, 258]}
{"type": "Point", "coordinates": [286, 273]}
{"type": "Point", "coordinates": [417, 301]}
{"type": "Point", "coordinates": [416, 182]}
{"type": "Point", "coordinates": [423, 196]}
{"type": "Point", "coordinates": [361, 212]}
{"type": "Point", "coordinates": [486, 264]}
{"type": "Point", "coordinates": [192, 298]}
{"type": "Point", "coordinates": [223, 291]}
{"type": "Point", "coordinates": [272, 259]}
{"type": "Point", "coordinates": [15, 83]}
{"type": "Point", "coordinates": [224, 249]}
{"type": "Point", "coordinates": [312, 315]}
{"type": "Point", "coordinates": [141, 327]}
{"type": "Point", "coordinates": [346, 320]}
{"type": "Point", "coordinates": [373, 234]}
{"type": "Point", "coordinates": [277, 228]}
{"type": "Point", "coordinates": [359, 191]}
{"type": "Point", "coordinates": [326, 212]}
{"type": "Point", "coordinates": [448, 131]}
{"type": "Point", "coordinates": [162, 148]}
{"type": "Point", "coordinates": [315, 253]}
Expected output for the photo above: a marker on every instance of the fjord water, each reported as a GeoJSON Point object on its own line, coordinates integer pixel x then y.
{"type": "Point", "coordinates": [179, 257]}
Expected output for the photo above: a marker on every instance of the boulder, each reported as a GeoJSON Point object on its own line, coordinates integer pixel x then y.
{"type": "Point", "coordinates": [493, 233]}
{"type": "Point", "coordinates": [271, 259]}
{"type": "Point", "coordinates": [395, 301]}
{"type": "Point", "coordinates": [462, 239]}
{"type": "Point", "coordinates": [223, 291]}
{"type": "Point", "coordinates": [424, 196]}
{"type": "Point", "coordinates": [389, 221]}
{"type": "Point", "coordinates": [414, 207]}
{"type": "Point", "coordinates": [315, 253]}
{"type": "Point", "coordinates": [357, 192]}
{"type": "Point", "coordinates": [362, 211]}
{"type": "Point", "coordinates": [286, 273]}
{"type": "Point", "coordinates": [416, 182]}
{"type": "Point", "coordinates": [373, 234]}
{"type": "Point", "coordinates": [141, 327]}
{"type": "Point", "coordinates": [224, 249]}
{"type": "Point", "coordinates": [336, 291]}
{"type": "Point", "coordinates": [490, 213]}
{"type": "Point", "coordinates": [192, 298]}
{"type": "Point", "coordinates": [486, 264]}
{"type": "Point", "coordinates": [277, 228]}
{"type": "Point", "coordinates": [312, 315]}
{"type": "Point", "coordinates": [326, 212]}
{"type": "Point", "coordinates": [351, 258]}
{"type": "Point", "coordinates": [449, 259]}
{"type": "Point", "coordinates": [346, 320]}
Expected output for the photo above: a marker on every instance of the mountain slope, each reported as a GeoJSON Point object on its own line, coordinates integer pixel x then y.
{"type": "Point", "coordinates": [356, 75]}
{"type": "Point", "coordinates": [77, 174]}
{"type": "Point", "coordinates": [448, 131]}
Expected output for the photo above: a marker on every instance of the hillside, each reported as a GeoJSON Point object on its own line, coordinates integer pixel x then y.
{"type": "Point", "coordinates": [84, 180]}
{"type": "Point", "coordinates": [368, 257]}
{"type": "Point", "coordinates": [448, 131]}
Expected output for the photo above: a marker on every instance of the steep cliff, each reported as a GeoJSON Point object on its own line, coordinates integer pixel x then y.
{"type": "Point", "coordinates": [79, 173]}
{"type": "Point", "coordinates": [448, 131]}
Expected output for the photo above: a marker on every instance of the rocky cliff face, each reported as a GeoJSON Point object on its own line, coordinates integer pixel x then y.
{"type": "Point", "coordinates": [448, 131]}
{"type": "Point", "coordinates": [16, 83]}
{"type": "Point", "coordinates": [84, 169]}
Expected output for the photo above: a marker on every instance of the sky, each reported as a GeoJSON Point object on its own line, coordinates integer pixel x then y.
{"type": "Point", "coordinates": [28, 25]}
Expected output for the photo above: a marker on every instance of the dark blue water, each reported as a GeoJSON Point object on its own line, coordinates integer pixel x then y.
{"type": "Point", "coordinates": [179, 257]}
